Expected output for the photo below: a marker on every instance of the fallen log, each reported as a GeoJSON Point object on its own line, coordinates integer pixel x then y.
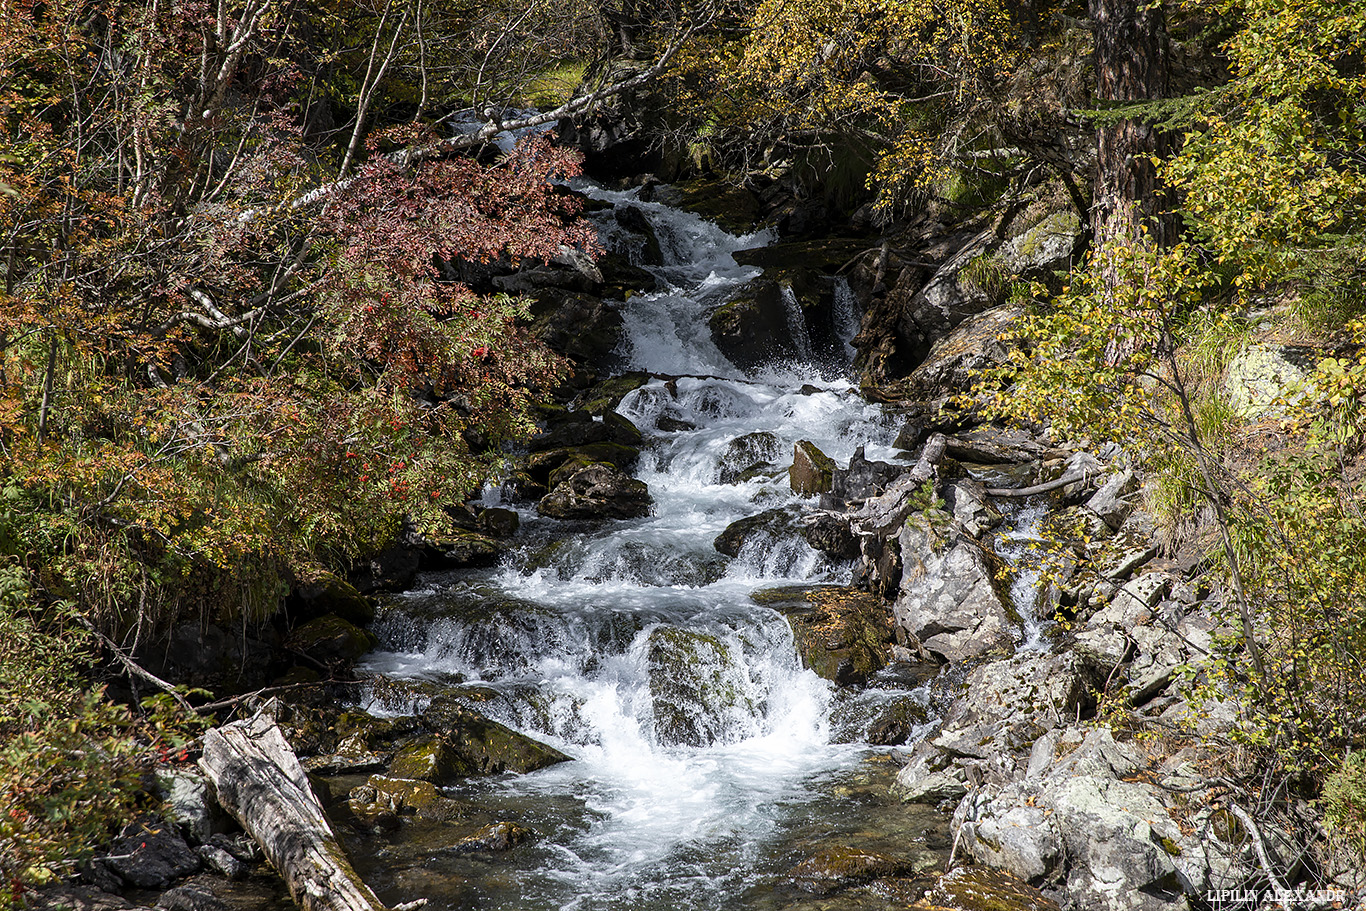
{"type": "Point", "coordinates": [260, 782]}
{"type": "Point", "coordinates": [1037, 488]}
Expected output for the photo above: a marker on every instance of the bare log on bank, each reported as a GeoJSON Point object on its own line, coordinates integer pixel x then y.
{"type": "Point", "coordinates": [260, 782]}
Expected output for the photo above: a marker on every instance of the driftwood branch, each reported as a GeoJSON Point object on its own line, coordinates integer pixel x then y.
{"type": "Point", "coordinates": [137, 670]}
{"type": "Point", "coordinates": [1037, 488]}
{"type": "Point", "coordinates": [260, 782]}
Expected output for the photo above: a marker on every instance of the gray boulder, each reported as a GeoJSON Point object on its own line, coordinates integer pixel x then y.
{"type": "Point", "coordinates": [597, 491]}
{"type": "Point", "coordinates": [948, 600]}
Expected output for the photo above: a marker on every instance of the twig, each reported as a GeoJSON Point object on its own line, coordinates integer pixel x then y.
{"type": "Point", "coordinates": [1258, 846]}
{"type": "Point", "coordinates": [136, 669]}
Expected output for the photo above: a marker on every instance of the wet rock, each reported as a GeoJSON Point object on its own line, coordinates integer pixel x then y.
{"type": "Point", "coordinates": [812, 471]}
{"type": "Point", "coordinates": [597, 492]}
{"type": "Point", "coordinates": [543, 466]}
{"type": "Point", "coordinates": [698, 690]}
{"type": "Point", "coordinates": [735, 209]}
{"type": "Point", "coordinates": [429, 760]}
{"type": "Point", "coordinates": [993, 446]}
{"type": "Point", "coordinates": [150, 855]}
{"type": "Point", "coordinates": [948, 600]}
{"type": "Point", "coordinates": [198, 895]}
{"type": "Point", "coordinates": [841, 634]}
{"type": "Point", "coordinates": [975, 888]}
{"type": "Point", "coordinates": [499, 522]}
{"type": "Point", "coordinates": [500, 836]}
{"type": "Point", "coordinates": [462, 549]}
{"type": "Point", "coordinates": [567, 429]}
{"type": "Point", "coordinates": [330, 640]}
{"type": "Point", "coordinates": [328, 593]}
{"type": "Point", "coordinates": [745, 453]}
{"type": "Point", "coordinates": [384, 795]}
{"type": "Point", "coordinates": [621, 278]}
{"type": "Point", "coordinates": [632, 219]}
{"type": "Point", "coordinates": [863, 478]}
{"type": "Point", "coordinates": [895, 724]}
{"type": "Point", "coordinates": [68, 897]}
{"type": "Point", "coordinates": [833, 869]}
{"type": "Point", "coordinates": [769, 526]}
{"type": "Point", "coordinates": [953, 362]}
{"type": "Point", "coordinates": [605, 396]}
{"type": "Point", "coordinates": [831, 535]}
{"type": "Point", "coordinates": [482, 746]}
{"type": "Point", "coordinates": [751, 329]}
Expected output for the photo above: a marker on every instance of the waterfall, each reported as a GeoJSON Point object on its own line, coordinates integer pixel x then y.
{"type": "Point", "coordinates": [634, 646]}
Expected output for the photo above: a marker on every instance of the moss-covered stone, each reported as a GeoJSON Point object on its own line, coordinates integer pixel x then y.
{"type": "Point", "coordinates": [812, 471]}
{"type": "Point", "coordinates": [327, 593]}
{"type": "Point", "coordinates": [841, 634]}
{"type": "Point", "coordinates": [463, 549]}
{"type": "Point", "coordinates": [383, 794]}
{"type": "Point", "coordinates": [983, 889]}
{"type": "Point", "coordinates": [540, 465]}
{"type": "Point", "coordinates": [734, 208]}
{"type": "Point", "coordinates": [330, 640]}
{"type": "Point", "coordinates": [430, 759]}
{"type": "Point", "coordinates": [478, 745]}
{"type": "Point", "coordinates": [841, 867]}
{"type": "Point", "coordinates": [500, 836]}
{"type": "Point", "coordinates": [696, 686]}
{"type": "Point", "coordinates": [607, 395]}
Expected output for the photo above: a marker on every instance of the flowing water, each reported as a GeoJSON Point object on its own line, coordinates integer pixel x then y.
{"type": "Point", "coordinates": [705, 758]}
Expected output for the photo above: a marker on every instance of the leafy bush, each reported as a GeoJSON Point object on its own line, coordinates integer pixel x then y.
{"type": "Point", "coordinates": [68, 759]}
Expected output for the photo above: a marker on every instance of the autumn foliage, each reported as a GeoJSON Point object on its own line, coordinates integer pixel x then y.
{"type": "Point", "coordinates": [211, 379]}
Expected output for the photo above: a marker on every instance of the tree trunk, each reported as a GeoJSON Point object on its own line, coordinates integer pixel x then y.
{"type": "Point", "coordinates": [1132, 64]}
{"type": "Point", "coordinates": [260, 782]}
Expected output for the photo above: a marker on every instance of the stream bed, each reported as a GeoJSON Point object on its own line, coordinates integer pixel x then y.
{"type": "Point", "coordinates": [707, 763]}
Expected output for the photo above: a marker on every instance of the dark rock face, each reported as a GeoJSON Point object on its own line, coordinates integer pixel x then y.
{"type": "Point", "coordinates": [831, 535]}
{"type": "Point", "coordinates": [632, 219]}
{"type": "Point", "coordinates": [863, 478]}
{"type": "Point", "coordinates": [752, 329]}
{"type": "Point", "coordinates": [771, 524]}
{"type": "Point", "coordinates": [330, 639]}
{"type": "Point", "coordinates": [499, 522]}
{"type": "Point", "coordinates": [391, 570]}
{"type": "Point", "coordinates": [584, 328]}
{"type": "Point", "coordinates": [150, 855]}
{"type": "Point", "coordinates": [331, 594]}
{"type": "Point", "coordinates": [597, 491]}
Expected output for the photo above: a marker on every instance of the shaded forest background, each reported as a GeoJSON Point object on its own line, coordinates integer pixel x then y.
{"type": "Point", "coordinates": [241, 349]}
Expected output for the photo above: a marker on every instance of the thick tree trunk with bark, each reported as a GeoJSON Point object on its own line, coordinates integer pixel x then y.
{"type": "Point", "coordinates": [1131, 64]}
{"type": "Point", "coordinates": [260, 782]}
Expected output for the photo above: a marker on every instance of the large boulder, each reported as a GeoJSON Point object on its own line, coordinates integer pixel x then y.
{"type": "Point", "coordinates": [584, 328]}
{"type": "Point", "coordinates": [699, 691]}
{"type": "Point", "coordinates": [768, 526]}
{"type": "Point", "coordinates": [1084, 826]}
{"type": "Point", "coordinates": [948, 598]}
{"type": "Point", "coordinates": [746, 454]}
{"type": "Point", "coordinates": [753, 328]}
{"type": "Point", "coordinates": [812, 471]}
{"type": "Point", "coordinates": [597, 492]}
{"type": "Point", "coordinates": [955, 359]}
{"type": "Point", "coordinates": [1043, 249]}
{"type": "Point", "coordinates": [1263, 378]}
{"type": "Point", "coordinates": [841, 634]}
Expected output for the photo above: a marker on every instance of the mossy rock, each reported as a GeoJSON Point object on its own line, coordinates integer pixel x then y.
{"type": "Point", "coordinates": [328, 593]}
{"type": "Point", "coordinates": [812, 471]}
{"type": "Point", "coordinates": [734, 208]}
{"type": "Point", "coordinates": [382, 795]}
{"type": "Point", "coordinates": [331, 640]}
{"type": "Point", "coordinates": [746, 455]}
{"type": "Point", "coordinates": [976, 888]}
{"type": "Point", "coordinates": [490, 748]}
{"type": "Point", "coordinates": [696, 686]}
{"type": "Point", "coordinates": [842, 634]}
{"type": "Point", "coordinates": [541, 464]}
{"type": "Point", "coordinates": [431, 759]}
{"type": "Point", "coordinates": [841, 867]}
{"type": "Point", "coordinates": [499, 836]}
{"type": "Point", "coordinates": [607, 395]}
{"type": "Point", "coordinates": [464, 549]}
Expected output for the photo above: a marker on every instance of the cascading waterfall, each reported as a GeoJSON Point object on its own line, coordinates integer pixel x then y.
{"type": "Point", "coordinates": [701, 744]}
